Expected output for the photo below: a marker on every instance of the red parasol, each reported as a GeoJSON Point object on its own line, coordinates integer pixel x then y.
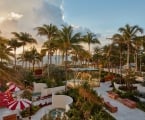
{"type": "Point", "coordinates": [10, 83]}
{"type": "Point", "coordinates": [5, 99]}
{"type": "Point", "coordinates": [19, 104]}
{"type": "Point", "coordinates": [13, 88]}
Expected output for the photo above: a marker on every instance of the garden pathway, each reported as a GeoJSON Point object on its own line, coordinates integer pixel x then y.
{"type": "Point", "coordinates": [123, 113]}
{"type": "Point", "coordinates": [41, 112]}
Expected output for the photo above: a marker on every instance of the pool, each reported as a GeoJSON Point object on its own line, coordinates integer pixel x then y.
{"type": "Point", "coordinates": [56, 112]}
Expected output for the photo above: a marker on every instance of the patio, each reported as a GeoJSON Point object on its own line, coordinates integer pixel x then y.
{"type": "Point", "coordinates": [123, 113]}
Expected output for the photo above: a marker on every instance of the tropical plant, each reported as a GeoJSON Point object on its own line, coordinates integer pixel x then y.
{"type": "Point", "coordinates": [14, 44]}
{"type": "Point", "coordinates": [68, 41]}
{"type": "Point", "coordinates": [90, 38]}
{"type": "Point", "coordinates": [129, 33]}
{"type": "Point", "coordinates": [25, 57]}
{"type": "Point", "coordinates": [24, 38]}
{"type": "Point", "coordinates": [50, 31]}
{"type": "Point", "coordinates": [35, 57]}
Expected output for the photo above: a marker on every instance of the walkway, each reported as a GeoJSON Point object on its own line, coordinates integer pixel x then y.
{"type": "Point", "coordinates": [123, 113]}
{"type": "Point", "coordinates": [41, 112]}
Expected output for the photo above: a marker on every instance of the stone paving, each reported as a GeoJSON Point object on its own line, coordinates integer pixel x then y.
{"type": "Point", "coordinates": [123, 113]}
{"type": "Point", "coordinates": [41, 113]}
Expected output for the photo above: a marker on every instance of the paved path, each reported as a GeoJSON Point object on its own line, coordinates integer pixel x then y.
{"type": "Point", "coordinates": [123, 113]}
{"type": "Point", "coordinates": [41, 113]}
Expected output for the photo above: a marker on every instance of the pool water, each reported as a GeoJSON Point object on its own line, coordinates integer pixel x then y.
{"type": "Point", "coordinates": [56, 112]}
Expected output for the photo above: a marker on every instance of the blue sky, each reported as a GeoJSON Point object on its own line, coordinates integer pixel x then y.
{"type": "Point", "coordinates": [104, 16]}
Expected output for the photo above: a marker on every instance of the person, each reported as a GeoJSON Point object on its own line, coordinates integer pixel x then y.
{"type": "Point", "coordinates": [29, 117]}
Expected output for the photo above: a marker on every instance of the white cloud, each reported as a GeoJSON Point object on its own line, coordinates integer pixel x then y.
{"type": "Point", "coordinates": [2, 19]}
{"type": "Point", "coordinates": [10, 16]}
{"type": "Point", "coordinates": [17, 15]}
{"type": "Point", "coordinates": [24, 16]}
{"type": "Point", "coordinates": [14, 16]}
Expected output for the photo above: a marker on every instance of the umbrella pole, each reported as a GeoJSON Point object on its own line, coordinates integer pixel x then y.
{"type": "Point", "coordinates": [30, 113]}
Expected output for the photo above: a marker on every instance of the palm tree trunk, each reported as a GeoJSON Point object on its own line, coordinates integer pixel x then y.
{"type": "Point", "coordinates": [23, 57]}
{"type": "Point", "coordinates": [108, 64]}
{"type": "Point", "coordinates": [62, 57]}
{"type": "Point", "coordinates": [66, 57]}
{"type": "Point", "coordinates": [15, 57]}
{"type": "Point", "coordinates": [120, 62]}
{"type": "Point", "coordinates": [55, 57]}
{"type": "Point", "coordinates": [48, 67]}
{"type": "Point", "coordinates": [136, 61]}
{"type": "Point", "coordinates": [66, 69]}
{"type": "Point", "coordinates": [75, 62]}
{"type": "Point", "coordinates": [33, 63]}
{"type": "Point", "coordinates": [89, 47]}
{"type": "Point", "coordinates": [29, 66]}
{"type": "Point", "coordinates": [50, 57]}
{"type": "Point", "coordinates": [25, 64]}
{"type": "Point", "coordinates": [42, 62]}
{"type": "Point", "coordinates": [120, 72]}
{"type": "Point", "coordinates": [58, 57]}
{"type": "Point", "coordinates": [128, 56]}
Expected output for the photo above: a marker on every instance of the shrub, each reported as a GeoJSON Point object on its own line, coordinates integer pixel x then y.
{"type": "Point", "coordinates": [27, 94]}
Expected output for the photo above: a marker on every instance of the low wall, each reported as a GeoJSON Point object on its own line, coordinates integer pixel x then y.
{"type": "Point", "coordinates": [57, 89]}
{"type": "Point", "coordinates": [6, 112]}
{"type": "Point", "coordinates": [44, 91]}
{"type": "Point", "coordinates": [61, 101]}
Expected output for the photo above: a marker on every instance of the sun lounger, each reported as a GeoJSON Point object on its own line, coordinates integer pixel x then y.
{"type": "Point", "coordinates": [113, 95]}
{"type": "Point", "coordinates": [110, 107]}
{"type": "Point", "coordinates": [129, 103]}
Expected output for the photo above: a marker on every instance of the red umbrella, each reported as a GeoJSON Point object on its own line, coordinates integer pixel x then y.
{"type": "Point", "coordinates": [5, 99]}
{"type": "Point", "coordinates": [13, 88]}
{"type": "Point", "coordinates": [19, 104]}
{"type": "Point", "coordinates": [10, 83]}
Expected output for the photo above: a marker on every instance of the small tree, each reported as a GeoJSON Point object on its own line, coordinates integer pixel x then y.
{"type": "Point", "coordinates": [129, 79]}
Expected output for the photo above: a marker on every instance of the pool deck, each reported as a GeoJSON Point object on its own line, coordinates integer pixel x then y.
{"type": "Point", "coordinates": [41, 113]}
{"type": "Point", "coordinates": [123, 113]}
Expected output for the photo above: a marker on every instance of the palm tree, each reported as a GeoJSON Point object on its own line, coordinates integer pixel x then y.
{"type": "Point", "coordinates": [75, 53]}
{"type": "Point", "coordinates": [50, 31]}
{"type": "Point", "coordinates": [14, 44]}
{"type": "Point", "coordinates": [69, 41]}
{"type": "Point", "coordinates": [84, 56]}
{"type": "Point", "coordinates": [130, 33]}
{"type": "Point", "coordinates": [119, 40]}
{"type": "Point", "coordinates": [42, 54]}
{"type": "Point", "coordinates": [90, 38]}
{"type": "Point", "coordinates": [25, 57]}
{"type": "Point", "coordinates": [107, 52]}
{"type": "Point", "coordinates": [5, 51]}
{"type": "Point", "coordinates": [138, 47]}
{"type": "Point", "coordinates": [25, 38]}
{"type": "Point", "coordinates": [98, 57]}
{"type": "Point", "coordinates": [35, 57]}
{"type": "Point", "coordinates": [5, 59]}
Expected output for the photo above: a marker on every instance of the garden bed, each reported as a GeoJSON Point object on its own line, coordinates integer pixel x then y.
{"type": "Point", "coordinates": [132, 96]}
{"type": "Point", "coordinates": [124, 88]}
{"type": "Point", "coordinates": [82, 108]}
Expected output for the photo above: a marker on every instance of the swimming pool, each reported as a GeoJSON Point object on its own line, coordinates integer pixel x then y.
{"type": "Point", "coordinates": [56, 112]}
